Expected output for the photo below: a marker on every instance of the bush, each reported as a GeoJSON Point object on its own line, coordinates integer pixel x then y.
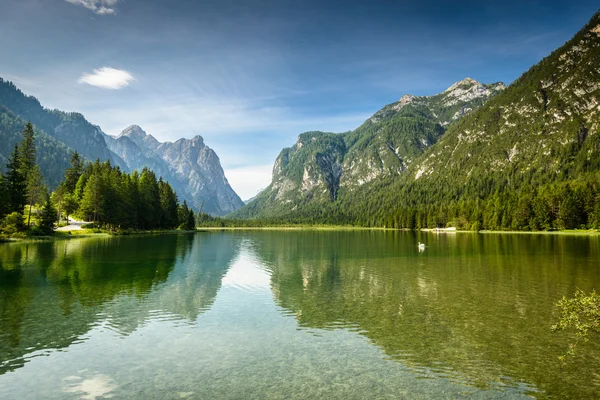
{"type": "Point", "coordinates": [13, 223]}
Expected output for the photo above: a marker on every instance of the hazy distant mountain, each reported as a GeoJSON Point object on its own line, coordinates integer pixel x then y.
{"type": "Point", "coordinates": [191, 167]}
{"type": "Point", "coordinates": [321, 165]}
{"type": "Point", "coordinates": [72, 129]}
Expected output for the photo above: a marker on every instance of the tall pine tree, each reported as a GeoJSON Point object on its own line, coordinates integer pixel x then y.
{"type": "Point", "coordinates": [14, 182]}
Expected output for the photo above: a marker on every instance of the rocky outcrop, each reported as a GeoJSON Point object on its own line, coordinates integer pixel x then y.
{"type": "Point", "coordinates": [191, 167]}
{"type": "Point", "coordinates": [320, 165]}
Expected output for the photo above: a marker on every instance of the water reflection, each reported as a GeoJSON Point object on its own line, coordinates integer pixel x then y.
{"type": "Point", "coordinates": [52, 294]}
{"type": "Point", "coordinates": [295, 315]}
{"type": "Point", "coordinates": [473, 308]}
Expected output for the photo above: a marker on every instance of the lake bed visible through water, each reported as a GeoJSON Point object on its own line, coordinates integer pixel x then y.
{"type": "Point", "coordinates": [295, 315]}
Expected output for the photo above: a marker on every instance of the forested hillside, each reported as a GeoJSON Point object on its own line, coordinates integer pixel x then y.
{"type": "Point", "coordinates": [191, 166]}
{"type": "Point", "coordinates": [322, 168]}
{"type": "Point", "coordinates": [52, 155]}
{"type": "Point", "coordinates": [528, 159]}
{"type": "Point", "coordinates": [69, 128]}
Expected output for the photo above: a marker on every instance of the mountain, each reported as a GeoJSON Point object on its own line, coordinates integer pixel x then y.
{"type": "Point", "coordinates": [527, 159]}
{"type": "Point", "coordinates": [322, 166]}
{"type": "Point", "coordinates": [191, 167]}
{"type": "Point", "coordinates": [52, 156]}
{"type": "Point", "coordinates": [72, 129]}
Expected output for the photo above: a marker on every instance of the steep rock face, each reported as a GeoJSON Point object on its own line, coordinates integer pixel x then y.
{"type": "Point", "coordinates": [321, 165]}
{"type": "Point", "coordinates": [312, 167]}
{"type": "Point", "coordinates": [191, 167]}
{"type": "Point", "coordinates": [72, 129]}
{"type": "Point", "coordinates": [387, 143]}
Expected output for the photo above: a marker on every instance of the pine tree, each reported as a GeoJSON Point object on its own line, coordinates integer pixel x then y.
{"type": "Point", "coordinates": [27, 150]}
{"type": "Point", "coordinates": [149, 213]}
{"type": "Point", "coordinates": [168, 204]}
{"type": "Point", "coordinates": [72, 174]}
{"type": "Point", "coordinates": [183, 214]}
{"type": "Point", "coordinates": [15, 185]}
{"type": "Point", "coordinates": [35, 189]}
{"type": "Point", "coordinates": [93, 198]}
{"type": "Point", "coordinates": [4, 199]}
{"type": "Point", "coordinates": [191, 221]}
{"type": "Point", "coordinates": [48, 217]}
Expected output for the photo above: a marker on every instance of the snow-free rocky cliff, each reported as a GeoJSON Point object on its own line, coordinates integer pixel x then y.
{"type": "Point", "coordinates": [321, 165]}
{"type": "Point", "coordinates": [192, 168]}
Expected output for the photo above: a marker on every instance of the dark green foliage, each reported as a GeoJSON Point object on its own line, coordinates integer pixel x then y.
{"type": "Point", "coordinates": [116, 200]}
{"type": "Point", "coordinates": [27, 150]}
{"type": "Point", "coordinates": [4, 199]}
{"type": "Point", "coordinates": [74, 172]}
{"type": "Point", "coordinates": [186, 217]}
{"type": "Point", "coordinates": [48, 217]}
{"type": "Point", "coordinates": [150, 211]}
{"type": "Point", "coordinates": [15, 184]}
{"type": "Point", "coordinates": [528, 159]}
{"type": "Point", "coordinates": [168, 204]}
{"type": "Point", "coordinates": [52, 156]}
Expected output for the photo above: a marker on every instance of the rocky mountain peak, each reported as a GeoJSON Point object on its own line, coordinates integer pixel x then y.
{"type": "Point", "coordinates": [191, 167]}
{"type": "Point", "coordinates": [133, 131]}
{"type": "Point", "coordinates": [140, 137]}
{"type": "Point", "coordinates": [197, 141]}
{"type": "Point", "coordinates": [469, 89]}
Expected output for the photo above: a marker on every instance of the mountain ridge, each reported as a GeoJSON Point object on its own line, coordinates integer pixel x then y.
{"type": "Point", "coordinates": [61, 133]}
{"type": "Point", "coordinates": [191, 166]}
{"type": "Point", "coordinates": [321, 165]}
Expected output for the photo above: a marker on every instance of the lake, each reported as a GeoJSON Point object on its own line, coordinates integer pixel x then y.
{"type": "Point", "coordinates": [295, 315]}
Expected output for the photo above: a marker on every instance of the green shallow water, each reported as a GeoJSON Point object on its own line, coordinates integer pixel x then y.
{"type": "Point", "coordinates": [295, 315]}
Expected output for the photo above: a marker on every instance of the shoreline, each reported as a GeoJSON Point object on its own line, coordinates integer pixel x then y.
{"type": "Point", "coordinates": [575, 232]}
{"type": "Point", "coordinates": [68, 235]}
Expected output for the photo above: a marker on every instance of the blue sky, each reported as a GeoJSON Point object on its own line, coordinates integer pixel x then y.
{"type": "Point", "coordinates": [249, 76]}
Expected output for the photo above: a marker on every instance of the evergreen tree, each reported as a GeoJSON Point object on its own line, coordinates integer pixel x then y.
{"type": "Point", "coordinates": [15, 184]}
{"type": "Point", "coordinates": [93, 198]}
{"type": "Point", "coordinates": [72, 174]}
{"type": "Point", "coordinates": [190, 224]}
{"type": "Point", "coordinates": [149, 205]}
{"type": "Point", "coordinates": [48, 217]}
{"type": "Point", "coordinates": [27, 150]}
{"type": "Point", "coordinates": [4, 199]}
{"type": "Point", "coordinates": [183, 214]}
{"type": "Point", "coordinates": [35, 189]}
{"type": "Point", "coordinates": [168, 204]}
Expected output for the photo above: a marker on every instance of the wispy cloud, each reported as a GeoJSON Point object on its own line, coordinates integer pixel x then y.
{"type": "Point", "coordinates": [100, 7]}
{"type": "Point", "coordinates": [247, 181]}
{"type": "Point", "coordinates": [107, 78]}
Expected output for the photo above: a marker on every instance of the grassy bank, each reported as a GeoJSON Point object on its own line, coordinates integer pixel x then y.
{"type": "Point", "coordinates": [572, 232]}
{"type": "Point", "coordinates": [87, 233]}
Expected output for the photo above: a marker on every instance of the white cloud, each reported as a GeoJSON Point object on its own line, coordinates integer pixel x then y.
{"type": "Point", "coordinates": [100, 7]}
{"type": "Point", "coordinates": [248, 180]}
{"type": "Point", "coordinates": [107, 78]}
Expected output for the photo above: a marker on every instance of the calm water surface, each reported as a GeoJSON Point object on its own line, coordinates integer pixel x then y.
{"type": "Point", "coordinates": [294, 315]}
